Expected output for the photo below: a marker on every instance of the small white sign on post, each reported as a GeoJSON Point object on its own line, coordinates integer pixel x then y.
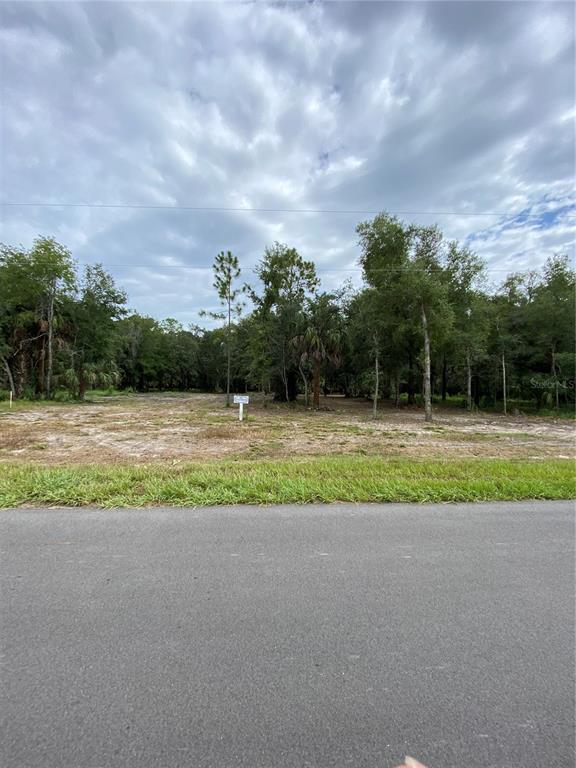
{"type": "Point", "coordinates": [241, 400]}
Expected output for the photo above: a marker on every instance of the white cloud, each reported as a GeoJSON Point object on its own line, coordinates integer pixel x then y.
{"type": "Point", "coordinates": [459, 107]}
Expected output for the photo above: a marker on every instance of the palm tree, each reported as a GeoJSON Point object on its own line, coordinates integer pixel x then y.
{"type": "Point", "coordinates": [320, 340]}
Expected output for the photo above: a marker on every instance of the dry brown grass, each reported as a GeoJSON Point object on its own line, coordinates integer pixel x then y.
{"type": "Point", "coordinates": [175, 428]}
{"type": "Point", "coordinates": [217, 433]}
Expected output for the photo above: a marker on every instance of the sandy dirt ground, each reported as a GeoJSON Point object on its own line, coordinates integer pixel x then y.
{"type": "Point", "coordinates": [176, 428]}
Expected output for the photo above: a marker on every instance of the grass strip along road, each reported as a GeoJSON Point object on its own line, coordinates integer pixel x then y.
{"type": "Point", "coordinates": [300, 480]}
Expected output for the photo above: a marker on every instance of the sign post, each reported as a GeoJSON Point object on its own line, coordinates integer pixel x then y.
{"type": "Point", "coordinates": [241, 400]}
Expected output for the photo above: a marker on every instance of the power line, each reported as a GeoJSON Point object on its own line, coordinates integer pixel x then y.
{"type": "Point", "coordinates": [229, 209]}
{"type": "Point", "coordinates": [209, 268]}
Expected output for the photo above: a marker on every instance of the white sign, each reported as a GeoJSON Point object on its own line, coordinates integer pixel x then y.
{"type": "Point", "coordinates": [241, 400]}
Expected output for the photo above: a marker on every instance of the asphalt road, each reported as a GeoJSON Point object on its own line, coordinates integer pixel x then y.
{"type": "Point", "coordinates": [308, 637]}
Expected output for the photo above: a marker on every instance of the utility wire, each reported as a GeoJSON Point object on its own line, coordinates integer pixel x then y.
{"type": "Point", "coordinates": [161, 267]}
{"type": "Point", "coordinates": [226, 209]}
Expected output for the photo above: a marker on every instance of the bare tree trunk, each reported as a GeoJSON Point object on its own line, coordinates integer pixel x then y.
{"type": "Point", "coordinates": [553, 371]}
{"type": "Point", "coordinates": [81, 382]}
{"type": "Point", "coordinates": [427, 389]}
{"type": "Point", "coordinates": [504, 381]}
{"type": "Point", "coordinates": [316, 384]}
{"type": "Point", "coordinates": [41, 366]}
{"type": "Point", "coordinates": [305, 380]}
{"type": "Point", "coordinates": [411, 397]}
{"type": "Point", "coordinates": [9, 375]}
{"type": "Point", "coordinates": [228, 351]}
{"type": "Point", "coordinates": [444, 377]}
{"type": "Point", "coordinates": [468, 381]}
{"type": "Point", "coordinates": [376, 384]}
{"type": "Point", "coordinates": [22, 374]}
{"type": "Point", "coordinates": [397, 390]}
{"type": "Point", "coordinates": [284, 373]}
{"type": "Point", "coordinates": [50, 319]}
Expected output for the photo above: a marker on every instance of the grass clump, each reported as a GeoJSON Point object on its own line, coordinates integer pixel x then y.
{"type": "Point", "coordinates": [317, 479]}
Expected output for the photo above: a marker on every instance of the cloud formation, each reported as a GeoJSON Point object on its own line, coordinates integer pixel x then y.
{"type": "Point", "coordinates": [458, 107]}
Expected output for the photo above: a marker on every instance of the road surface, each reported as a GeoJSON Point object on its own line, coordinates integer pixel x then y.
{"type": "Point", "coordinates": [300, 637]}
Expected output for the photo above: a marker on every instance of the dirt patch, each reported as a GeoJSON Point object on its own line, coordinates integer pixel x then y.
{"type": "Point", "coordinates": [216, 433]}
{"type": "Point", "coordinates": [148, 428]}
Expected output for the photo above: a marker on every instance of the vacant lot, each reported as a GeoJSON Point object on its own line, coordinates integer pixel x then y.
{"type": "Point", "coordinates": [190, 427]}
{"type": "Point", "coordinates": [190, 450]}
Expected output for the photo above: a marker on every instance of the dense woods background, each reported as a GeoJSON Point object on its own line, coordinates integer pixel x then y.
{"type": "Point", "coordinates": [424, 328]}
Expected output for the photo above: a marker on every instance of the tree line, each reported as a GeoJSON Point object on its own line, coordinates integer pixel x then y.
{"type": "Point", "coordinates": [423, 328]}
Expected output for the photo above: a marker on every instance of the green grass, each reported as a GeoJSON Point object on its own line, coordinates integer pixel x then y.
{"type": "Point", "coordinates": [342, 478]}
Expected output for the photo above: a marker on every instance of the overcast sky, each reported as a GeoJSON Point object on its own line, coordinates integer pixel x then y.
{"type": "Point", "coordinates": [435, 107]}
